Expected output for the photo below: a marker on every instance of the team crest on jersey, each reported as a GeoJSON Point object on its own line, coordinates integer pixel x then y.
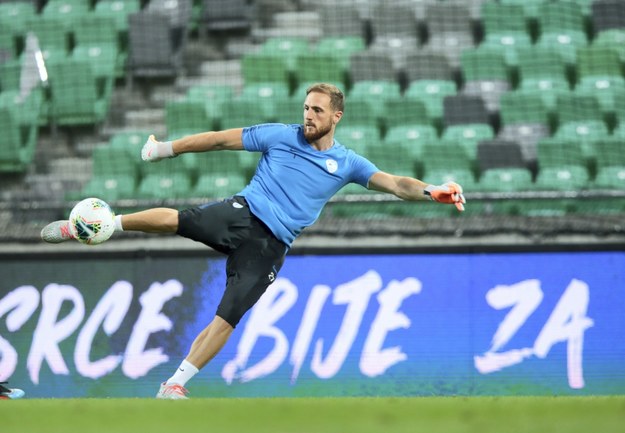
{"type": "Point", "coordinates": [332, 165]}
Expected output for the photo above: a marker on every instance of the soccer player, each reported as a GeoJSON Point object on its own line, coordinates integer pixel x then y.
{"type": "Point", "coordinates": [301, 168]}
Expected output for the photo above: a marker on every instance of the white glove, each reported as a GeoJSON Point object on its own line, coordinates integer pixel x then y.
{"type": "Point", "coordinates": [449, 192]}
{"type": "Point", "coordinates": [154, 151]}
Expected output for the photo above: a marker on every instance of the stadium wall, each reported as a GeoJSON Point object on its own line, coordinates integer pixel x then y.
{"type": "Point", "coordinates": [116, 324]}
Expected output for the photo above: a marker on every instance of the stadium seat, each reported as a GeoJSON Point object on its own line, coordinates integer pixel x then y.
{"type": "Point", "coordinates": [119, 11]}
{"type": "Point", "coordinates": [428, 65]}
{"type": "Point", "coordinates": [221, 163]}
{"type": "Point", "coordinates": [405, 111]}
{"type": "Point", "coordinates": [342, 19]}
{"type": "Point", "coordinates": [241, 112]}
{"type": "Point", "coordinates": [320, 67]}
{"type": "Point", "coordinates": [70, 12]}
{"type": "Point", "coordinates": [530, 7]}
{"type": "Point", "coordinates": [450, 29]}
{"type": "Point", "coordinates": [599, 60]}
{"type": "Point", "coordinates": [525, 118]}
{"type": "Point", "coordinates": [613, 39]}
{"type": "Point", "coordinates": [565, 42]}
{"type": "Point", "coordinates": [54, 39]}
{"type": "Point", "coordinates": [342, 47]}
{"type": "Point", "coordinates": [154, 50]}
{"type": "Point", "coordinates": [393, 20]}
{"type": "Point", "coordinates": [289, 48]}
{"type": "Point", "coordinates": [13, 27]}
{"type": "Point", "coordinates": [607, 15]}
{"type": "Point", "coordinates": [610, 164]}
{"type": "Point", "coordinates": [223, 16]}
{"type": "Point", "coordinates": [77, 98]}
{"type": "Point", "coordinates": [559, 16]}
{"type": "Point", "coordinates": [372, 66]}
{"type": "Point", "coordinates": [374, 94]}
{"type": "Point", "coordinates": [213, 98]}
{"type": "Point", "coordinates": [219, 185]}
{"type": "Point", "coordinates": [17, 144]}
{"type": "Point", "coordinates": [542, 64]}
{"type": "Point", "coordinates": [130, 142]}
{"type": "Point", "coordinates": [185, 117]}
{"type": "Point", "coordinates": [486, 74]}
{"type": "Point", "coordinates": [464, 109]}
{"type": "Point", "coordinates": [360, 111]}
{"type": "Point", "coordinates": [265, 68]}
{"type": "Point", "coordinates": [267, 93]}
{"type": "Point", "coordinates": [431, 92]}
{"type": "Point", "coordinates": [562, 165]}
{"type": "Point", "coordinates": [411, 139]}
{"type": "Point", "coordinates": [586, 133]}
{"type": "Point", "coordinates": [573, 107]}
{"type": "Point", "coordinates": [397, 160]}
{"type": "Point", "coordinates": [114, 173]}
{"type": "Point", "coordinates": [609, 92]}
{"type": "Point", "coordinates": [95, 39]}
{"type": "Point", "coordinates": [496, 153]}
{"type": "Point", "coordinates": [358, 138]}
{"type": "Point", "coordinates": [468, 136]}
{"type": "Point", "coordinates": [505, 26]}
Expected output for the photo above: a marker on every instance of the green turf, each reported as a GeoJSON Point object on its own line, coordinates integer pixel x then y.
{"type": "Point", "coordinates": [327, 415]}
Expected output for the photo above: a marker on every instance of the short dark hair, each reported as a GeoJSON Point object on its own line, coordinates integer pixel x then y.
{"type": "Point", "coordinates": [337, 99]}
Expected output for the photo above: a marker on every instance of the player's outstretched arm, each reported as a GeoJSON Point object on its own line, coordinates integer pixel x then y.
{"type": "Point", "coordinates": [408, 188]}
{"type": "Point", "coordinates": [230, 139]}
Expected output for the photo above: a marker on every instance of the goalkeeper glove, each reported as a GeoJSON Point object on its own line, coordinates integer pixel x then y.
{"type": "Point", "coordinates": [449, 192]}
{"type": "Point", "coordinates": [154, 151]}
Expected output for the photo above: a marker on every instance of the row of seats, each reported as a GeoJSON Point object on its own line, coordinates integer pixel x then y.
{"type": "Point", "coordinates": [118, 172]}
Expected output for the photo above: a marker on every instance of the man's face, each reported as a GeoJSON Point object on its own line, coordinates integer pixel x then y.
{"type": "Point", "coordinates": [319, 117]}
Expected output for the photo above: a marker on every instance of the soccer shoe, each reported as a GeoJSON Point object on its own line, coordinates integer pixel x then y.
{"type": "Point", "coordinates": [10, 393]}
{"type": "Point", "coordinates": [56, 232]}
{"type": "Point", "coordinates": [172, 392]}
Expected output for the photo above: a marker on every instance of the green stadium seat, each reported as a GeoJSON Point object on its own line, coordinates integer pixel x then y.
{"type": "Point", "coordinates": [565, 42]}
{"type": "Point", "coordinates": [287, 48]}
{"type": "Point", "coordinates": [468, 136]}
{"type": "Point", "coordinates": [17, 143]}
{"type": "Point", "coordinates": [342, 47]}
{"type": "Point", "coordinates": [289, 110]}
{"type": "Point", "coordinates": [411, 138]}
{"type": "Point", "coordinates": [530, 7]}
{"type": "Point", "coordinates": [503, 17]}
{"type": "Point", "coordinates": [221, 163]}
{"type": "Point", "coordinates": [119, 11]}
{"type": "Point", "coordinates": [319, 67]}
{"type": "Point", "coordinates": [77, 98]}
{"type": "Point", "coordinates": [14, 17]}
{"type": "Point", "coordinates": [170, 178]}
{"type": "Point", "coordinates": [431, 93]}
{"type": "Point", "coordinates": [598, 61]}
{"type": "Point", "coordinates": [610, 163]}
{"type": "Point", "coordinates": [242, 112]}
{"type": "Point", "coordinates": [405, 111]}
{"type": "Point", "coordinates": [443, 157]}
{"type": "Point", "coordinates": [184, 117]}
{"type": "Point", "coordinates": [218, 185]}
{"type": "Point", "coordinates": [269, 94]}
{"type": "Point", "coordinates": [30, 109]}
{"type": "Point", "coordinates": [70, 12]}
{"type": "Point", "coordinates": [613, 39]}
{"type": "Point", "coordinates": [114, 174]}
{"type": "Point", "coordinates": [587, 134]}
{"type": "Point", "coordinates": [375, 93]}
{"type": "Point", "coordinates": [523, 107]}
{"type": "Point", "coordinates": [503, 180]}
{"type": "Point", "coordinates": [358, 138]}
{"type": "Point", "coordinates": [265, 68]}
{"type": "Point", "coordinates": [484, 63]}
{"type": "Point", "coordinates": [130, 142]}
{"type": "Point", "coordinates": [95, 38]}
{"type": "Point", "coordinates": [562, 165]}
{"type": "Point", "coordinates": [510, 42]}
{"type": "Point", "coordinates": [573, 107]}
{"type": "Point", "coordinates": [608, 90]}
{"type": "Point", "coordinates": [213, 98]}
{"type": "Point", "coordinates": [540, 64]}
{"type": "Point", "coordinates": [53, 36]}
{"type": "Point", "coordinates": [397, 160]}
{"type": "Point", "coordinates": [561, 15]}
{"type": "Point", "coordinates": [361, 111]}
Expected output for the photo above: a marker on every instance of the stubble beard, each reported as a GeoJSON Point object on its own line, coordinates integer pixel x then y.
{"type": "Point", "coordinates": [317, 133]}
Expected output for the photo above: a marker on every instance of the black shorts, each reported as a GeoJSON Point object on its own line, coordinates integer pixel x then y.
{"type": "Point", "coordinates": [255, 255]}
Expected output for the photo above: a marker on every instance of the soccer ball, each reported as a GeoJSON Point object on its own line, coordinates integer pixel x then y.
{"type": "Point", "coordinates": [92, 221]}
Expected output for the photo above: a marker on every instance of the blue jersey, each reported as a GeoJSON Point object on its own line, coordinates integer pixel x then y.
{"type": "Point", "coordinates": [293, 180]}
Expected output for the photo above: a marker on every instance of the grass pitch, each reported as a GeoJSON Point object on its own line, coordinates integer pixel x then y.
{"type": "Point", "coordinates": [317, 415]}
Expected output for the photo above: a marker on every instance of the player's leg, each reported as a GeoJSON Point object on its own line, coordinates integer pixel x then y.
{"type": "Point", "coordinates": [156, 220]}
